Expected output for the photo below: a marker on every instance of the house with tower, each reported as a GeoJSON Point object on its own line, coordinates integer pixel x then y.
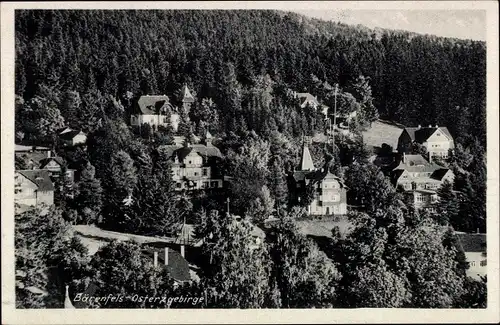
{"type": "Point", "coordinates": [322, 192]}
{"type": "Point", "coordinates": [158, 110]}
{"type": "Point", "coordinates": [194, 165]}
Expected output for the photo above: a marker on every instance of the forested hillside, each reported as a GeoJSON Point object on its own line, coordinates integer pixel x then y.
{"type": "Point", "coordinates": [84, 70]}
{"type": "Point", "coordinates": [415, 79]}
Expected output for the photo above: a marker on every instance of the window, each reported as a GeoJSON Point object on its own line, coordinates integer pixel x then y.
{"type": "Point", "coordinates": [195, 173]}
{"type": "Point", "coordinates": [178, 185]}
{"type": "Point", "coordinates": [178, 172]}
{"type": "Point", "coordinates": [204, 171]}
{"type": "Point", "coordinates": [189, 162]}
{"type": "Point", "coordinates": [214, 184]}
{"type": "Point", "coordinates": [206, 185]}
{"type": "Point", "coordinates": [438, 134]}
{"type": "Point", "coordinates": [483, 263]}
{"type": "Point", "coordinates": [473, 263]}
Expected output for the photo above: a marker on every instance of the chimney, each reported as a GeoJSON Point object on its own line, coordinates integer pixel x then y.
{"type": "Point", "coordinates": [404, 157]}
{"type": "Point", "coordinates": [437, 126]}
{"type": "Point", "coordinates": [183, 253]}
{"type": "Point", "coordinates": [477, 230]}
{"type": "Point", "coordinates": [49, 154]}
{"type": "Point", "coordinates": [166, 255]}
{"type": "Point", "coordinates": [419, 126]}
{"type": "Point", "coordinates": [155, 259]}
{"type": "Point", "coordinates": [430, 125]}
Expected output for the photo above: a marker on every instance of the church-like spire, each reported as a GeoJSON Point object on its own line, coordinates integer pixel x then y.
{"type": "Point", "coordinates": [67, 302]}
{"type": "Point", "coordinates": [306, 162]}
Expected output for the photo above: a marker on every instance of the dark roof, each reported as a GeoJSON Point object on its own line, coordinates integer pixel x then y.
{"type": "Point", "coordinates": [421, 134]}
{"type": "Point", "coordinates": [182, 152]}
{"type": "Point", "coordinates": [69, 135]}
{"type": "Point", "coordinates": [472, 242]}
{"type": "Point", "coordinates": [152, 104]}
{"type": "Point", "coordinates": [439, 174]}
{"type": "Point", "coordinates": [36, 157]}
{"type": "Point", "coordinates": [417, 163]}
{"type": "Point", "coordinates": [316, 175]}
{"type": "Point", "coordinates": [45, 161]}
{"type": "Point", "coordinates": [177, 266]}
{"type": "Point", "coordinates": [396, 174]}
{"type": "Point", "coordinates": [39, 177]}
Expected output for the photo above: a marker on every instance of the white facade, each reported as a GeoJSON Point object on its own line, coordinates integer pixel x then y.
{"type": "Point", "coordinates": [193, 175]}
{"type": "Point", "coordinates": [156, 120]}
{"type": "Point", "coordinates": [79, 138]}
{"type": "Point", "coordinates": [477, 264]}
{"type": "Point", "coordinates": [438, 144]}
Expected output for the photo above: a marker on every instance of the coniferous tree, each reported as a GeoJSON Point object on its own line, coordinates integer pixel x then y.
{"type": "Point", "coordinates": [89, 198]}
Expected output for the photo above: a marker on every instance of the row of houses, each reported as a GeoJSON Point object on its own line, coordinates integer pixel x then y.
{"type": "Point", "coordinates": [34, 182]}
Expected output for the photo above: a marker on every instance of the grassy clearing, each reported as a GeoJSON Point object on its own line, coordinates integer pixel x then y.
{"type": "Point", "coordinates": [383, 132]}
{"type": "Point", "coordinates": [323, 227]}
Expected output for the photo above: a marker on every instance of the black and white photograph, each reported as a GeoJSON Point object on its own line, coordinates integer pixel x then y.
{"type": "Point", "coordinates": [250, 158]}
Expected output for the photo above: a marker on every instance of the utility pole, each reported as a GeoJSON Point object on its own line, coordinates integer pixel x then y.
{"type": "Point", "coordinates": [334, 115]}
{"type": "Point", "coordinates": [227, 209]}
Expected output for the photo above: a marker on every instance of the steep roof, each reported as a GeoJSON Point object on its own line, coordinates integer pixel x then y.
{"type": "Point", "coordinates": [40, 178]}
{"type": "Point", "coordinates": [307, 97]}
{"type": "Point", "coordinates": [472, 243]}
{"type": "Point", "coordinates": [306, 162]}
{"type": "Point", "coordinates": [69, 135]}
{"type": "Point", "coordinates": [317, 175]}
{"type": "Point", "coordinates": [187, 97]}
{"type": "Point", "coordinates": [152, 104]}
{"type": "Point", "coordinates": [36, 157]}
{"type": "Point", "coordinates": [421, 134]}
{"type": "Point", "coordinates": [64, 130]}
{"type": "Point", "coordinates": [45, 161]}
{"type": "Point", "coordinates": [440, 173]}
{"type": "Point", "coordinates": [177, 266]}
{"type": "Point", "coordinates": [325, 173]}
{"type": "Point", "coordinates": [416, 163]}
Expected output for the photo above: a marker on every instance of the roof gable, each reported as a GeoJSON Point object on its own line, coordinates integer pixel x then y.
{"type": "Point", "coordinates": [46, 161]}
{"type": "Point", "coordinates": [422, 134]}
{"type": "Point", "coordinates": [70, 135]}
{"type": "Point", "coordinates": [440, 173]}
{"type": "Point", "coordinates": [39, 177]}
{"type": "Point", "coordinates": [416, 163]}
{"type": "Point", "coordinates": [187, 97]}
{"type": "Point", "coordinates": [306, 98]}
{"type": "Point", "coordinates": [153, 104]}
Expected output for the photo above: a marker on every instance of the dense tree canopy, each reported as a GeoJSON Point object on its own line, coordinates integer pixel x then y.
{"type": "Point", "coordinates": [88, 55]}
{"type": "Point", "coordinates": [84, 70]}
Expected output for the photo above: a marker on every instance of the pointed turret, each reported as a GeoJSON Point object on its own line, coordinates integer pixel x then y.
{"type": "Point", "coordinates": [187, 97]}
{"type": "Point", "coordinates": [306, 162]}
{"type": "Point", "coordinates": [67, 302]}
